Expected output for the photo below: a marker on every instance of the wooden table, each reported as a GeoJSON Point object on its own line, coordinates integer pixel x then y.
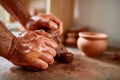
{"type": "Point", "coordinates": [82, 68]}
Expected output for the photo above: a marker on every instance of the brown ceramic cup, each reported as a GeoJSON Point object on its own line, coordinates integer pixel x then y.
{"type": "Point", "coordinates": [92, 44]}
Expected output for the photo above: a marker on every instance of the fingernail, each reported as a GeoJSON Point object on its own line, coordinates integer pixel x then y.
{"type": "Point", "coordinates": [53, 25]}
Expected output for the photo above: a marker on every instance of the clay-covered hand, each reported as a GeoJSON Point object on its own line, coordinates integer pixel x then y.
{"type": "Point", "coordinates": [34, 50]}
{"type": "Point", "coordinates": [46, 22]}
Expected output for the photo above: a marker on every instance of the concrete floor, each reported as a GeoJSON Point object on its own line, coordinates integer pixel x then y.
{"type": "Point", "coordinates": [82, 68]}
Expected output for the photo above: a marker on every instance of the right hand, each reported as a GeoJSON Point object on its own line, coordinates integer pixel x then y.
{"type": "Point", "coordinates": [45, 21]}
{"type": "Point", "coordinates": [35, 50]}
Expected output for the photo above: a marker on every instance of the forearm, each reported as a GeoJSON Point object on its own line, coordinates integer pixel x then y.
{"type": "Point", "coordinates": [6, 41]}
{"type": "Point", "coordinates": [17, 10]}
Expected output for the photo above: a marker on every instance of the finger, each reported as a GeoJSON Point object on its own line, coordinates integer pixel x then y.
{"type": "Point", "coordinates": [45, 23]}
{"type": "Point", "coordinates": [52, 25]}
{"type": "Point", "coordinates": [40, 64]}
{"type": "Point", "coordinates": [42, 15]}
{"type": "Point", "coordinates": [40, 23]}
{"type": "Point", "coordinates": [54, 18]}
{"type": "Point", "coordinates": [51, 43]}
{"type": "Point", "coordinates": [58, 22]}
{"type": "Point", "coordinates": [50, 50]}
{"type": "Point", "coordinates": [42, 32]}
{"type": "Point", "coordinates": [51, 18]}
{"type": "Point", "coordinates": [47, 58]}
{"type": "Point", "coordinates": [61, 28]}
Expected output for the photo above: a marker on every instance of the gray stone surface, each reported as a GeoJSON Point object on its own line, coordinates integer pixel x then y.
{"type": "Point", "coordinates": [82, 68]}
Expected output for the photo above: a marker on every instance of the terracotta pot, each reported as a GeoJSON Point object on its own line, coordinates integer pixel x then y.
{"type": "Point", "coordinates": [71, 40]}
{"type": "Point", "coordinates": [92, 44]}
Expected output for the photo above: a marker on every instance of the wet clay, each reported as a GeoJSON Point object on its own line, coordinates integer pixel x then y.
{"type": "Point", "coordinates": [116, 56]}
{"type": "Point", "coordinates": [62, 53]}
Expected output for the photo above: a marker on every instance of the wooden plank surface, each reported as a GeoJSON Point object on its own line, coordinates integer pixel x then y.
{"type": "Point", "coordinates": [64, 9]}
{"type": "Point", "coordinates": [82, 68]}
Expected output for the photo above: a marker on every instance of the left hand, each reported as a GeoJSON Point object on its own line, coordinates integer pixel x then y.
{"type": "Point", "coordinates": [35, 50]}
{"type": "Point", "coordinates": [48, 22]}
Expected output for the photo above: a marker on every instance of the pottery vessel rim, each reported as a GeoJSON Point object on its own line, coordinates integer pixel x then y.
{"type": "Point", "coordinates": [95, 35]}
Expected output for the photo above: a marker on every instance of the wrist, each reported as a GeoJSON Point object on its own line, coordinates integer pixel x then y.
{"type": "Point", "coordinates": [8, 41]}
{"type": "Point", "coordinates": [13, 48]}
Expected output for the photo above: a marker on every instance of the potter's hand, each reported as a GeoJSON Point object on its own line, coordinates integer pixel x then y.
{"type": "Point", "coordinates": [34, 51]}
{"type": "Point", "coordinates": [18, 11]}
{"type": "Point", "coordinates": [47, 22]}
